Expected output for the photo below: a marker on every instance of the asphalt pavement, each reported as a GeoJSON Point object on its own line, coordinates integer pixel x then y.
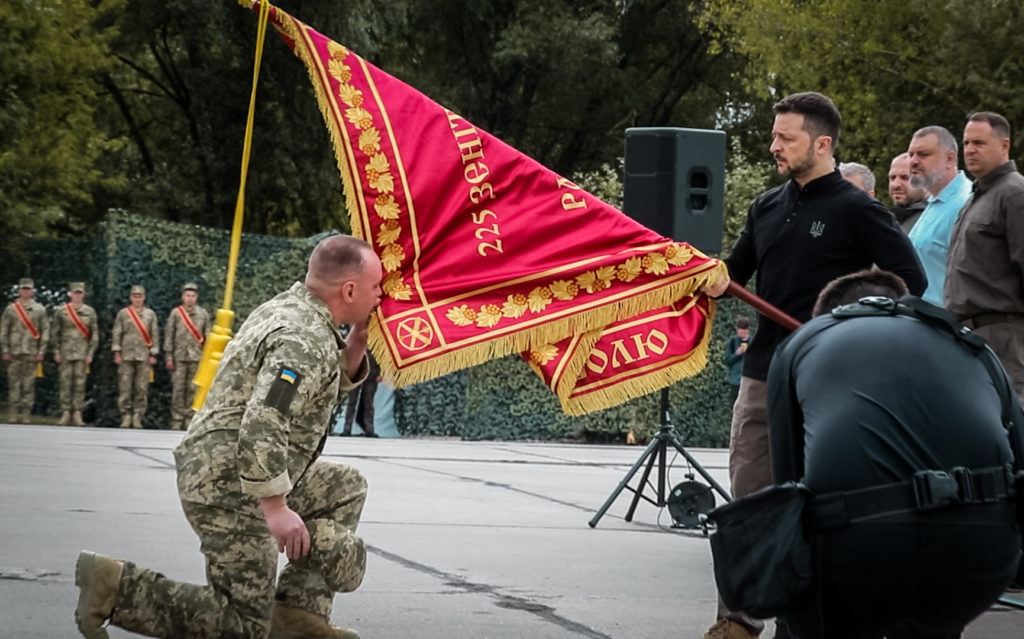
{"type": "Point", "coordinates": [481, 540]}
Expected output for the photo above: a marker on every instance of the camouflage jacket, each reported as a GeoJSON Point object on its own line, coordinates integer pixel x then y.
{"type": "Point", "coordinates": [128, 340]}
{"type": "Point", "coordinates": [179, 344]}
{"type": "Point", "coordinates": [266, 415]}
{"type": "Point", "coordinates": [15, 338]}
{"type": "Point", "coordinates": [67, 341]}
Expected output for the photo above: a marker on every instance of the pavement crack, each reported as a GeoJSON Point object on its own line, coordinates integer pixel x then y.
{"type": "Point", "coordinates": [502, 600]}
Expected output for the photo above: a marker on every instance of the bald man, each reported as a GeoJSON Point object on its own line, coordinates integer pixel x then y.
{"type": "Point", "coordinates": [250, 480]}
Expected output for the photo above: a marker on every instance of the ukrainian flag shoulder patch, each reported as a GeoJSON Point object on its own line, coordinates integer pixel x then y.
{"type": "Point", "coordinates": [282, 390]}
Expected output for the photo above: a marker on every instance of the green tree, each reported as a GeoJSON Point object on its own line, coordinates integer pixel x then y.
{"type": "Point", "coordinates": [890, 67]}
{"type": "Point", "coordinates": [50, 147]}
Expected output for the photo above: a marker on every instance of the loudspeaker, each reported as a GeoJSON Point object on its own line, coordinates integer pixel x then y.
{"type": "Point", "coordinates": [675, 183]}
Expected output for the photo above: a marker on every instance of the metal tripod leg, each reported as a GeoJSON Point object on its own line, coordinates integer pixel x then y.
{"type": "Point", "coordinates": [647, 456]}
{"type": "Point", "coordinates": [700, 469]}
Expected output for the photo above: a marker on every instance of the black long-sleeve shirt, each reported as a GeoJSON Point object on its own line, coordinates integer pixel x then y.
{"type": "Point", "coordinates": [799, 239]}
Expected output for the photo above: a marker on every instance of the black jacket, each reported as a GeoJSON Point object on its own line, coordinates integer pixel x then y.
{"type": "Point", "coordinates": [799, 239]}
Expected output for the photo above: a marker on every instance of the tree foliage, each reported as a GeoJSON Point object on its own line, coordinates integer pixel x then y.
{"type": "Point", "coordinates": [890, 67]}
{"type": "Point", "coordinates": [51, 148]}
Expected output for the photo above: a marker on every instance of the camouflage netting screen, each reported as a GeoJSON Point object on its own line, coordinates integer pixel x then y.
{"type": "Point", "coordinates": [501, 399]}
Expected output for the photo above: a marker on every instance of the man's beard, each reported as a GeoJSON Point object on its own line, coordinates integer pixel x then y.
{"type": "Point", "coordinates": [800, 168]}
{"type": "Point", "coordinates": [922, 181]}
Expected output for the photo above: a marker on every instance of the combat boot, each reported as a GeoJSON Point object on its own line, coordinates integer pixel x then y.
{"type": "Point", "coordinates": [295, 623]}
{"type": "Point", "coordinates": [97, 578]}
{"type": "Point", "coordinates": [137, 420]}
{"type": "Point", "coordinates": [76, 418]}
{"type": "Point", "coordinates": [65, 419]}
{"type": "Point", "coordinates": [126, 420]}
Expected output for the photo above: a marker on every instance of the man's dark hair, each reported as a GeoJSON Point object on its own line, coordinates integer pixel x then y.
{"type": "Point", "coordinates": [821, 117]}
{"type": "Point", "coordinates": [850, 288]}
{"type": "Point", "coordinates": [741, 322]}
{"type": "Point", "coordinates": [1000, 125]}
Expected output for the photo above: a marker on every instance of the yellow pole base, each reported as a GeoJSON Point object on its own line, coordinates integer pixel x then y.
{"type": "Point", "coordinates": [213, 350]}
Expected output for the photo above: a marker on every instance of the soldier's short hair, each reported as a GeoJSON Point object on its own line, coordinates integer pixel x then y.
{"type": "Point", "coordinates": [821, 117]}
{"type": "Point", "coordinates": [337, 256]}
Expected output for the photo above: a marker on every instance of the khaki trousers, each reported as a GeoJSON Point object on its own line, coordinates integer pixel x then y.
{"type": "Point", "coordinates": [749, 461]}
{"type": "Point", "coordinates": [21, 383]}
{"type": "Point", "coordinates": [133, 387]}
{"type": "Point", "coordinates": [72, 385]}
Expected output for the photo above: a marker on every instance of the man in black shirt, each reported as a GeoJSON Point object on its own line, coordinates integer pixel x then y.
{"type": "Point", "coordinates": [798, 237]}
{"type": "Point", "coordinates": [857, 407]}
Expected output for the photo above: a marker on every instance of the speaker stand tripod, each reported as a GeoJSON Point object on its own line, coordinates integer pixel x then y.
{"type": "Point", "coordinates": [657, 450]}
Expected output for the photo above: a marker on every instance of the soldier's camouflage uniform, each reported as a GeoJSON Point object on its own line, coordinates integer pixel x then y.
{"type": "Point", "coordinates": [181, 348]}
{"type": "Point", "coordinates": [133, 376]}
{"type": "Point", "coordinates": [73, 348]}
{"type": "Point", "coordinates": [258, 435]}
{"type": "Point", "coordinates": [23, 348]}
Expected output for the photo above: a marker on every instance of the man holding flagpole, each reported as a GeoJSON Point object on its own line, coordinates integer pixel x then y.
{"type": "Point", "coordinates": [136, 342]}
{"type": "Point", "coordinates": [24, 332]}
{"type": "Point", "coordinates": [798, 237]}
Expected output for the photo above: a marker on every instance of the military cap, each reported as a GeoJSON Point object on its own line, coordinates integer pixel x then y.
{"type": "Point", "coordinates": [26, 282]}
{"type": "Point", "coordinates": [189, 286]}
{"type": "Point", "coordinates": [76, 287]}
{"type": "Point", "coordinates": [138, 289]}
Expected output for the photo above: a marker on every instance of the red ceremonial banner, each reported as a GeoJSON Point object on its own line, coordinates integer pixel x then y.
{"type": "Point", "coordinates": [486, 252]}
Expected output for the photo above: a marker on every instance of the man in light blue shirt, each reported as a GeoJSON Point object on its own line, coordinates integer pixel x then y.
{"type": "Point", "coordinates": [934, 168]}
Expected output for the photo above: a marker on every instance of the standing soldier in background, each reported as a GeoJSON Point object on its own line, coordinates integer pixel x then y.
{"type": "Point", "coordinates": [24, 332]}
{"type": "Point", "coordinates": [75, 336]}
{"type": "Point", "coordinates": [186, 328]}
{"type": "Point", "coordinates": [135, 345]}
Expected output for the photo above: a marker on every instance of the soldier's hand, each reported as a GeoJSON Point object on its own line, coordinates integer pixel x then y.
{"type": "Point", "coordinates": [88, 359]}
{"type": "Point", "coordinates": [39, 357]}
{"type": "Point", "coordinates": [286, 527]}
{"type": "Point", "coordinates": [56, 357]}
{"type": "Point", "coordinates": [117, 357]}
{"type": "Point", "coordinates": [7, 357]}
{"type": "Point", "coordinates": [152, 360]}
{"type": "Point", "coordinates": [170, 364]}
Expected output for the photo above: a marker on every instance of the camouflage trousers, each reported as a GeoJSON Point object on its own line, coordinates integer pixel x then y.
{"type": "Point", "coordinates": [21, 383]}
{"type": "Point", "coordinates": [133, 387]}
{"type": "Point", "coordinates": [241, 563]}
{"type": "Point", "coordinates": [72, 385]}
{"type": "Point", "coordinates": [182, 391]}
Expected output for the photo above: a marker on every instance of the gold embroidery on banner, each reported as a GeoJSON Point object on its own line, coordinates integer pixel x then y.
{"type": "Point", "coordinates": [543, 354]}
{"type": "Point", "coordinates": [415, 334]}
{"type": "Point", "coordinates": [378, 174]}
{"type": "Point", "coordinates": [592, 281]}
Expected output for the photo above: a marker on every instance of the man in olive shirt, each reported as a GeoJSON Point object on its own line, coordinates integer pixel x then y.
{"type": "Point", "coordinates": [985, 270]}
{"type": "Point", "coordinates": [136, 340]}
{"type": "Point", "coordinates": [184, 333]}
{"type": "Point", "coordinates": [75, 336]}
{"type": "Point", "coordinates": [24, 332]}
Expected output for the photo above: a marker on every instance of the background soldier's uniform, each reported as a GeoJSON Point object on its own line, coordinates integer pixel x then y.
{"type": "Point", "coordinates": [259, 435]}
{"type": "Point", "coordinates": [74, 348]}
{"type": "Point", "coordinates": [133, 376]}
{"type": "Point", "coordinates": [181, 347]}
{"type": "Point", "coordinates": [16, 340]}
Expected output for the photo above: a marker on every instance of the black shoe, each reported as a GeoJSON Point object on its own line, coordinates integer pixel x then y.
{"type": "Point", "coordinates": [370, 435]}
{"type": "Point", "coordinates": [344, 434]}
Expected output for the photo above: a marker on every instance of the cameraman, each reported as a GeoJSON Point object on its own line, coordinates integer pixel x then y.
{"type": "Point", "coordinates": [860, 408]}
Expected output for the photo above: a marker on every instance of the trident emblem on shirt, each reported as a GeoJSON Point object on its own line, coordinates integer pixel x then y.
{"type": "Point", "coordinates": [817, 228]}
